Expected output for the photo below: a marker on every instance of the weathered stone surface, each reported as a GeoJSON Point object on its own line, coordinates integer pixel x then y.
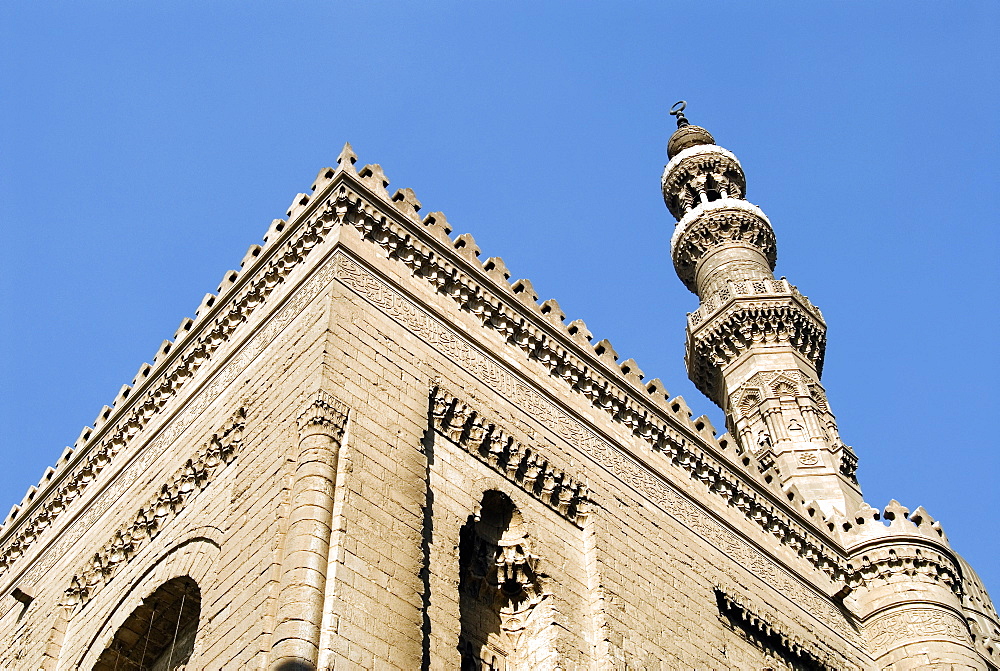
{"type": "Point", "coordinates": [371, 449]}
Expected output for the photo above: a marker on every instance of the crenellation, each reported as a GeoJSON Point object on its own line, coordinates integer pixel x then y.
{"type": "Point", "coordinates": [206, 304]}
{"type": "Point", "coordinates": [143, 373]}
{"type": "Point", "coordinates": [86, 431]}
{"type": "Point", "coordinates": [607, 353]}
{"type": "Point", "coordinates": [324, 176]}
{"type": "Point", "coordinates": [437, 224]}
{"type": "Point", "coordinates": [252, 253]}
{"type": "Point", "coordinates": [634, 536]}
{"type": "Point", "coordinates": [228, 280]}
{"type": "Point", "coordinates": [497, 270]}
{"type": "Point", "coordinates": [407, 203]}
{"type": "Point", "coordinates": [467, 247]}
{"type": "Point", "coordinates": [161, 353]}
{"type": "Point", "coordinates": [102, 417]}
{"type": "Point", "coordinates": [524, 291]}
{"type": "Point", "coordinates": [298, 205]}
{"type": "Point", "coordinates": [577, 329]}
{"type": "Point", "coordinates": [274, 232]}
{"type": "Point", "coordinates": [372, 176]}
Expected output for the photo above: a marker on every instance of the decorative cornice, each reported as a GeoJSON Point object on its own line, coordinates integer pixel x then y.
{"type": "Point", "coordinates": [192, 478]}
{"type": "Point", "coordinates": [720, 222]}
{"type": "Point", "coordinates": [691, 166]}
{"type": "Point", "coordinates": [525, 466]}
{"type": "Point", "coordinates": [537, 336]}
{"type": "Point", "coordinates": [452, 268]}
{"type": "Point", "coordinates": [747, 323]}
{"type": "Point", "coordinates": [880, 564]}
{"type": "Point", "coordinates": [323, 414]}
{"type": "Point", "coordinates": [635, 472]}
{"type": "Point", "coordinates": [175, 364]}
{"type": "Point", "coordinates": [763, 288]}
{"type": "Point", "coordinates": [765, 624]}
{"type": "Point", "coordinates": [912, 544]}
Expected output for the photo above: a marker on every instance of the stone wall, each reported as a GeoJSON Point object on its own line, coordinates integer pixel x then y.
{"type": "Point", "coordinates": [364, 465]}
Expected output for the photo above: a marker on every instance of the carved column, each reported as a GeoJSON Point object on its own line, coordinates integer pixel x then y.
{"type": "Point", "coordinates": [307, 539]}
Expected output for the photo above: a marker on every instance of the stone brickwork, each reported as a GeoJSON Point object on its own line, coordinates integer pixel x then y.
{"type": "Point", "coordinates": [371, 449]}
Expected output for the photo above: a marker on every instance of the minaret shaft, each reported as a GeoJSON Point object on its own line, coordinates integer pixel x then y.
{"type": "Point", "coordinates": [755, 345]}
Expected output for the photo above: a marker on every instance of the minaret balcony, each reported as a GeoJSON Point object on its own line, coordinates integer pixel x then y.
{"type": "Point", "coordinates": [744, 319]}
{"type": "Point", "coordinates": [729, 223]}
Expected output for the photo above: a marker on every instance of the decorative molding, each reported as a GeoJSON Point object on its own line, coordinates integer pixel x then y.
{"type": "Point", "coordinates": [883, 563]}
{"type": "Point", "coordinates": [173, 496]}
{"type": "Point", "coordinates": [722, 222]}
{"type": "Point", "coordinates": [913, 545]}
{"type": "Point", "coordinates": [429, 253]}
{"type": "Point", "coordinates": [176, 365]}
{"type": "Point", "coordinates": [767, 625]}
{"type": "Point", "coordinates": [172, 430]}
{"type": "Point", "coordinates": [535, 473]}
{"type": "Point", "coordinates": [324, 414]}
{"type": "Point", "coordinates": [605, 394]}
{"type": "Point", "coordinates": [765, 288]}
{"type": "Point", "coordinates": [746, 324]}
{"type": "Point", "coordinates": [755, 407]}
{"type": "Point", "coordinates": [904, 626]}
{"type": "Point", "coordinates": [694, 170]}
{"type": "Point", "coordinates": [635, 474]}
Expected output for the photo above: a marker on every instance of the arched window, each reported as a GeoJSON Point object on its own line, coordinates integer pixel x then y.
{"type": "Point", "coordinates": [159, 635]}
{"type": "Point", "coordinates": [499, 585]}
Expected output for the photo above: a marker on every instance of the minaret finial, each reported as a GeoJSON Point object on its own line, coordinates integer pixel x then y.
{"type": "Point", "coordinates": [677, 110]}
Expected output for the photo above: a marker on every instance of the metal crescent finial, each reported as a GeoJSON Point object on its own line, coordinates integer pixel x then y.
{"type": "Point", "coordinates": [677, 110]}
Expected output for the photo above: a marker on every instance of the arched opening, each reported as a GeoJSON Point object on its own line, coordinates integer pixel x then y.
{"type": "Point", "coordinates": [498, 585]}
{"type": "Point", "coordinates": [158, 635]}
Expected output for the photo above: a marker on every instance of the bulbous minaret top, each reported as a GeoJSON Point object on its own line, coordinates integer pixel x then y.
{"type": "Point", "coordinates": [755, 345]}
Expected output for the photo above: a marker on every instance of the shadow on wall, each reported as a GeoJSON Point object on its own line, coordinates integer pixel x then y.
{"type": "Point", "coordinates": [159, 635]}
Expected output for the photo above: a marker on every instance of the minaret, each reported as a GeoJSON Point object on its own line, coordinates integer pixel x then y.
{"type": "Point", "coordinates": [755, 345]}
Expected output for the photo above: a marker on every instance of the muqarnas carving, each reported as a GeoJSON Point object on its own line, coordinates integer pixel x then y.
{"type": "Point", "coordinates": [502, 594]}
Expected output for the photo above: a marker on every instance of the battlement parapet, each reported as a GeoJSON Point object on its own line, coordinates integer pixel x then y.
{"type": "Point", "coordinates": [867, 525]}
{"type": "Point", "coordinates": [453, 269]}
{"type": "Point", "coordinates": [911, 547]}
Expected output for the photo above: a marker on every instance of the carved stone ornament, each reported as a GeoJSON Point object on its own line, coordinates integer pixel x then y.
{"type": "Point", "coordinates": [174, 366]}
{"type": "Point", "coordinates": [324, 414]}
{"type": "Point", "coordinates": [429, 253]}
{"type": "Point", "coordinates": [913, 624]}
{"type": "Point", "coordinates": [533, 472]}
{"type": "Point", "coordinates": [744, 325]}
{"type": "Point", "coordinates": [766, 624]}
{"type": "Point", "coordinates": [186, 483]}
{"type": "Point", "coordinates": [697, 170]}
{"type": "Point", "coordinates": [724, 222]}
{"type": "Point", "coordinates": [682, 449]}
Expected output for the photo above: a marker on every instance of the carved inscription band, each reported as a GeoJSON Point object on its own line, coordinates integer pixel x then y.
{"type": "Point", "coordinates": [434, 333]}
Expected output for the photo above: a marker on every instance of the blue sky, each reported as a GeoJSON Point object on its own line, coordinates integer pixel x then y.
{"type": "Point", "coordinates": [145, 146]}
